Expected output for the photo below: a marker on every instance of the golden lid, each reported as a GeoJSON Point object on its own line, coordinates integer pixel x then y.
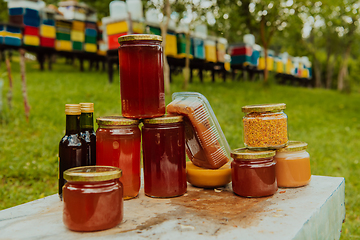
{"type": "Point", "coordinates": [116, 121]}
{"type": "Point", "coordinates": [92, 173]}
{"type": "Point", "coordinates": [293, 146]}
{"type": "Point", "coordinates": [72, 109]}
{"type": "Point", "coordinates": [264, 107]}
{"type": "Point", "coordinates": [139, 37]}
{"type": "Point", "coordinates": [87, 107]}
{"type": "Point", "coordinates": [247, 154]}
{"type": "Point", "coordinates": [164, 119]}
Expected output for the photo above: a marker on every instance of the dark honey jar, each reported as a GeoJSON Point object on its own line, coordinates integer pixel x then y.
{"type": "Point", "coordinates": [253, 173]}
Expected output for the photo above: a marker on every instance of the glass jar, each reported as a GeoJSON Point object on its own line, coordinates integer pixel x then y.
{"type": "Point", "coordinates": [164, 156]}
{"type": "Point", "coordinates": [141, 76]}
{"type": "Point", "coordinates": [265, 126]}
{"type": "Point", "coordinates": [293, 165]}
{"type": "Point", "coordinates": [118, 143]}
{"type": "Point", "coordinates": [253, 173]}
{"type": "Point", "coordinates": [93, 198]}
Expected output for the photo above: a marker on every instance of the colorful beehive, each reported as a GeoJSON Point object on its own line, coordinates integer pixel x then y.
{"type": "Point", "coordinates": [10, 34]}
{"type": "Point", "coordinates": [279, 65]}
{"type": "Point", "coordinates": [77, 35]}
{"type": "Point", "coordinates": [255, 55]}
{"type": "Point", "coordinates": [90, 37]}
{"type": "Point", "coordinates": [47, 28]}
{"type": "Point", "coordinates": [270, 60]}
{"type": "Point", "coordinates": [221, 47]}
{"type": "Point", "coordinates": [113, 28]}
{"type": "Point", "coordinates": [102, 46]}
{"type": "Point", "coordinates": [170, 41]}
{"type": "Point", "coordinates": [198, 46]}
{"type": "Point", "coordinates": [63, 34]}
{"type": "Point", "coordinates": [181, 46]}
{"type": "Point", "coordinates": [210, 49]}
{"type": "Point", "coordinates": [241, 54]}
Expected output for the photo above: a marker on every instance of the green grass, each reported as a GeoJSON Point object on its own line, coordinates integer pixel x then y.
{"type": "Point", "coordinates": [328, 121]}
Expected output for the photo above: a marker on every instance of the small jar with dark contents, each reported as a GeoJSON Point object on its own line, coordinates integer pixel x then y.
{"type": "Point", "coordinates": [265, 126]}
{"type": "Point", "coordinates": [93, 198]}
{"type": "Point", "coordinates": [253, 173]}
{"type": "Point", "coordinates": [163, 141]}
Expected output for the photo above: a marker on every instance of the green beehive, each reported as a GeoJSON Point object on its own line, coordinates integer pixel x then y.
{"type": "Point", "coordinates": [78, 46]}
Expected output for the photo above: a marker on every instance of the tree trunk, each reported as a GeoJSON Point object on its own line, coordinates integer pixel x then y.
{"type": "Point", "coordinates": [10, 92]}
{"type": "Point", "coordinates": [163, 27]}
{"type": "Point", "coordinates": [343, 72]}
{"type": "Point", "coordinates": [265, 46]}
{"type": "Point", "coordinates": [330, 62]}
{"type": "Point", "coordinates": [317, 72]}
{"type": "Point", "coordinates": [187, 62]}
{"type": "Point", "coordinates": [23, 83]}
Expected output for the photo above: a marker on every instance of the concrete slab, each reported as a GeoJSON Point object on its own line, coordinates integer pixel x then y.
{"type": "Point", "coordinates": [316, 211]}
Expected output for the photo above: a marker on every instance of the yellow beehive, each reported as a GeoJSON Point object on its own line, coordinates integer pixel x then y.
{"type": "Point", "coordinates": [77, 36]}
{"type": "Point", "coordinates": [210, 53]}
{"type": "Point", "coordinates": [47, 31]}
{"type": "Point", "coordinates": [138, 27]}
{"type": "Point", "coordinates": [305, 73]}
{"type": "Point", "coordinates": [102, 53]}
{"type": "Point", "coordinates": [10, 34]}
{"type": "Point", "coordinates": [62, 45]}
{"type": "Point", "coordinates": [227, 66]}
{"type": "Point", "coordinates": [270, 63]}
{"type": "Point", "coordinates": [118, 27]}
{"type": "Point", "coordinates": [288, 66]}
{"type": "Point", "coordinates": [221, 49]}
{"type": "Point", "coordinates": [31, 40]}
{"type": "Point", "coordinates": [90, 47]}
{"type": "Point", "coordinates": [279, 67]}
{"type": "Point", "coordinates": [78, 25]}
{"type": "Point", "coordinates": [171, 45]}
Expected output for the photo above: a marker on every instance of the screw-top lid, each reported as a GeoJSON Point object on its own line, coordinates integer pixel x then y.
{"type": "Point", "coordinates": [247, 154]}
{"type": "Point", "coordinates": [72, 109]}
{"type": "Point", "coordinates": [92, 173]}
{"type": "Point", "coordinates": [264, 107]}
{"type": "Point", "coordinates": [116, 121]}
{"type": "Point", "coordinates": [164, 119]}
{"type": "Point", "coordinates": [139, 37]}
{"type": "Point", "coordinates": [293, 146]}
{"type": "Point", "coordinates": [87, 107]}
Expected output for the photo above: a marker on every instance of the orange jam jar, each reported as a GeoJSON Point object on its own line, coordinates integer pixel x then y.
{"type": "Point", "coordinates": [265, 126]}
{"type": "Point", "coordinates": [293, 165]}
{"type": "Point", "coordinates": [93, 198]}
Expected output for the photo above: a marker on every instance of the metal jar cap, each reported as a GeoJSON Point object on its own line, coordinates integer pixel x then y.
{"type": "Point", "coordinates": [116, 121]}
{"type": "Point", "coordinates": [72, 109]}
{"type": "Point", "coordinates": [293, 146]}
{"type": "Point", "coordinates": [164, 119]}
{"type": "Point", "coordinates": [92, 174]}
{"type": "Point", "coordinates": [87, 107]}
{"type": "Point", "coordinates": [264, 107]}
{"type": "Point", "coordinates": [247, 154]}
{"type": "Point", "coordinates": [139, 37]}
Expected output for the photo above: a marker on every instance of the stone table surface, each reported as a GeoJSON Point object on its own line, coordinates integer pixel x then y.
{"type": "Point", "coordinates": [315, 211]}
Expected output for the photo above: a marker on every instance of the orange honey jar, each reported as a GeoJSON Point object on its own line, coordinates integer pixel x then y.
{"type": "Point", "coordinates": [293, 165]}
{"type": "Point", "coordinates": [93, 198]}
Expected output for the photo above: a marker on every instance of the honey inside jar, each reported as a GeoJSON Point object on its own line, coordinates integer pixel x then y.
{"type": "Point", "coordinates": [293, 165]}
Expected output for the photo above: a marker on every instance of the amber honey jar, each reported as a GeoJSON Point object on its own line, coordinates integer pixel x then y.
{"type": "Point", "coordinates": [93, 198]}
{"type": "Point", "coordinates": [164, 159]}
{"type": "Point", "coordinates": [118, 144]}
{"type": "Point", "coordinates": [293, 165]}
{"type": "Point", "coordinates": [141, 76]}
{"type": "Point", "coordinates": [253, 173]}
{"type": "Point", "coordinates": [265, 126]}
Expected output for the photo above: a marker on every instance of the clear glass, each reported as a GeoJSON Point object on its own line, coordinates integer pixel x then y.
{"type": "Point", "coordinates": [206, 145]}
{"type": "Point", "coordinates": [293, 168]}
{"type": "Point", "coordinates": [119, 146]}
{"type": "Point", "coordinates": [265, 130]}
{"type": "Point", "coordinates": [254, 178]}
{"type": "Point", "coordinates": [164, 159]}
{"type": "Point", "coordinates": [92, 206]}
{"type": "Point", "coordinates": [141, 79]}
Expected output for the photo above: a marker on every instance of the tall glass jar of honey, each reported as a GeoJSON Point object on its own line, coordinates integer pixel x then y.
{"type": "Point", "coordinates": [164, 156]}
{"type": "Point", "coordinates": [141, 76]}
{"type": "Point", "coordinates": [118, 145]}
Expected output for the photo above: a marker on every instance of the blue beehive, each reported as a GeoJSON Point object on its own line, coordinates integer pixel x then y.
{"type": "Point", "coordinates": [198, 47]}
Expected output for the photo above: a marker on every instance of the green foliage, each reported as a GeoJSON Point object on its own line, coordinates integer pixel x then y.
{"type": "Point", "coordinates": [327, 120]}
